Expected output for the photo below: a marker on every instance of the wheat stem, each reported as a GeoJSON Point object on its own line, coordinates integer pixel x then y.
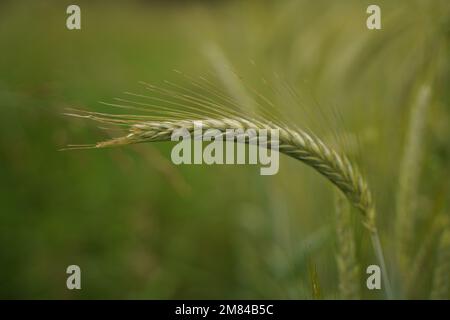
{"type": "Point", "coordinates": [380, 257]}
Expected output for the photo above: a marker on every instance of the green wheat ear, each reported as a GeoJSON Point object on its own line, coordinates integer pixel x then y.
{"type": "Point", "coordinates": [190, 106]}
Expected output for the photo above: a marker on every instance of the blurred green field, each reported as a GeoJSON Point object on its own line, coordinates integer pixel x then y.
{"type": "Point", "coordinates": [142, 228]}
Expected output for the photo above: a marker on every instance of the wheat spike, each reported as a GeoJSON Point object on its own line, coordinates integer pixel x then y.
{"type": "Point", "coordinates": [221, 113]}
{"type": "Point", "coordinates": [294, 143]}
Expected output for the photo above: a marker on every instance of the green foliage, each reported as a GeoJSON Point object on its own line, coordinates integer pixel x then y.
{"type": "Point", "coordinates": [141, 227]}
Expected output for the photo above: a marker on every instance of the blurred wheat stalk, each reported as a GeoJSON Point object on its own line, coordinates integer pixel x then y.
{"type": "Point", "coordinates": [409, 177]}
{"type": "Point", "coordinates": [348, 268]}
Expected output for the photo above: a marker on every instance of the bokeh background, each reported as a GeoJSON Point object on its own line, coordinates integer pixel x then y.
{"type": "Point", "coordinates": [140, 227]}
